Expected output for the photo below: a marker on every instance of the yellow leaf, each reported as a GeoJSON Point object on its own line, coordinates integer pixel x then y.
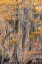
{"type": "Point", "coordinates": [40, 28]}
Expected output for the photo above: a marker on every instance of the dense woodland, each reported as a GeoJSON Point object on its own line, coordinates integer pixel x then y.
{"type": "Point", "coordinates": [21, 31]}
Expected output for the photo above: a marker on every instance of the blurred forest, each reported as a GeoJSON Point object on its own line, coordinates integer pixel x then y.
{"type": "Point", "coordinates": [21, 31]}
